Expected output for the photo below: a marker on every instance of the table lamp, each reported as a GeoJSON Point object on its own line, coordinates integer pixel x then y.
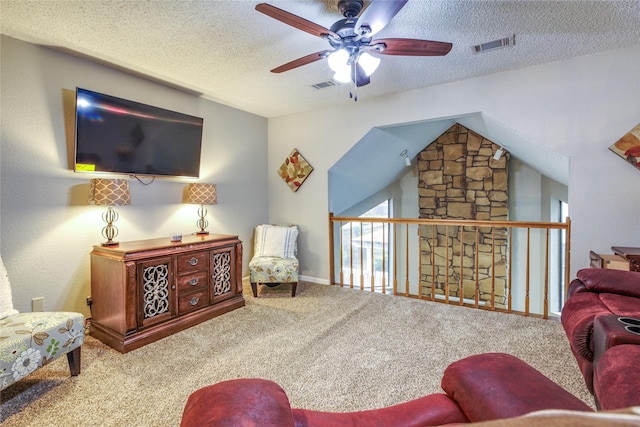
{"type": "Point", "coordinates": [202, 194]}
{"type": "Point", "coordinates": [109, 192]}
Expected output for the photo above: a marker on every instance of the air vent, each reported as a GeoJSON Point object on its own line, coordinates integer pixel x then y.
{"type": "Point", "coordinates": [323, 85]}
{"type": "Point", "coordinates": [496, 44]}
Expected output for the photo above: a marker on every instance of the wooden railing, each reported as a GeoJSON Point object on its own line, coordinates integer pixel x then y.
{"type": "Point", "coordinates": [455, 261]}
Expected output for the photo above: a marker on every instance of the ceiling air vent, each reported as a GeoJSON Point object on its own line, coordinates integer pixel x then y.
{"type": "Point", "coordinates": [495, 44]}
{"type": "Point", "coordinates": [323, 85]}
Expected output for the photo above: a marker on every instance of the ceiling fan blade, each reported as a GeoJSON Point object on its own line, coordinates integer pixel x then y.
{"type": "Point", "coordinates": [360, 76]}
{"type": "Point", "coordinates": [413, 47]}
{"type": "Point", "coordinates": [308, 59]}
{"type": "Point", "coordinates": [295, 21]}
{"type": "Point", "coordinates": [377, 15]}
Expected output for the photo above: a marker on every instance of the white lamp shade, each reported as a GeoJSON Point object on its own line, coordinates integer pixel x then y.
{"type": "Point", "coordinates": [343, 76]}
{"type": "Point", "coordinates": [338, 60]}
{"type": "Point", "coordinates": [368, 63]}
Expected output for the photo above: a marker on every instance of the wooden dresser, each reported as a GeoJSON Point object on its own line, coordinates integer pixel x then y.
{"type": "Point", "coordinates": [630, 253]}
{"type": "Point", "coordinates": [145, 290]}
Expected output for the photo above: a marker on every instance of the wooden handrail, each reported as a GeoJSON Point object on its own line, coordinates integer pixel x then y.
{"type": "Point", "coordinates": [454, 273]}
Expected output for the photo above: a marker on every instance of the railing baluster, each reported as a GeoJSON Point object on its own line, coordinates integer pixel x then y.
{"type": "Point", "coordinates": [477, 264]}
{"type": "Point", "coordinates": [406, 262]}
{"type": "Point", "coordinates": [350, 255]}
{"type": "Point", "coordinates": [528, 278]}
{"type": "Point", "coordinates": [332, 266]}
{"type": "Point", "coordinates": [537, 283]}
{"type": "Point", "coordinates": [461, 286]}
{"type": "Point", "coordinates": [433, 261]}
{"type": "Point", "coordinates": [510, 269]}
{"type": "Point", "coordinates": [395, 258]}
{"type": "Point", "coordinates": [446, 263]}
{"type": "Point", "coordinates": [361, 257]}
{"type": "Point", "coordinates": [373, 272]}
{"type": "Point", "coordinates": [384, 248]}
{"type": "Point", "coordinates": [545, 309]}
{"type": "Point", "coordinates": [493, 268]}
{"type": "Point", "coordinates": [341, 261]}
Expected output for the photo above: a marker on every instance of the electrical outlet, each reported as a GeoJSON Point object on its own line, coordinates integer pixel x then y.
{"type": "Point", "coordinates": [37, 304]}
{"type": "Point", "coordinates": [89, 301]}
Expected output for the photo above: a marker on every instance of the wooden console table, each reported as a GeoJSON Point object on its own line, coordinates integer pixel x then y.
{"type": "Point", "coordinates": [145, 290]}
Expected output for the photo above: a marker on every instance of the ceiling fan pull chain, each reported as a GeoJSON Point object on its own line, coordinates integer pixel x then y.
{"type": "Point", "coordinates": [353, 90]}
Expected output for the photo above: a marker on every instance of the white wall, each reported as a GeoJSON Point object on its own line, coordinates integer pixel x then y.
{"type": "Point", "coordinates": [47, 228]}
{"type": "Point", "coordinates": [578, 107]}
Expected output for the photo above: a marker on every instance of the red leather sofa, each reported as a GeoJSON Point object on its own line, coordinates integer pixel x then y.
{"type": "Point", "coordinates": [491, 386]}
{"type": "Point", "coordinates": [597, 298]}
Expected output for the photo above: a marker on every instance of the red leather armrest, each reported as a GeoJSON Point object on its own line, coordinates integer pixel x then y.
{"type": "Point", "coordinates": [431, 410]}
{"type": "Point", "coordinates": [604, 280]}
{"type": "Point", "coordinates": [492, 386]}
{"type": "Point", "coordinates": [238, 403]}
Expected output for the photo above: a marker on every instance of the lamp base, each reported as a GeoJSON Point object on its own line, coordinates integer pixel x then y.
{"type": "Point", "coordinates": [202, 232]}
{"type": "Point", "coordinates": [109, 243]}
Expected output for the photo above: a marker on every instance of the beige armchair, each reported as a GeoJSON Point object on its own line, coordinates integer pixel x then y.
{"type": "Point", "coordinates": [274, 257]}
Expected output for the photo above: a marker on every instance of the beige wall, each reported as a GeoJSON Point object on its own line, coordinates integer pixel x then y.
{"type": "Point", "coordinates": [47, 228]}
{"type": "Point", "coordinates": [576, 107]}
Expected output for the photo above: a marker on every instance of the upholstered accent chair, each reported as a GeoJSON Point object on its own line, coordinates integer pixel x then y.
{"type": "Point", "coordinates": [274, 257]}
{"type": "Point", "coordinates": [28, 341]}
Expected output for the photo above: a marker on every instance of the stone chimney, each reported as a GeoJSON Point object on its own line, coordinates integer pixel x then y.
{"type": "Point", "coordinates": [460, 179]}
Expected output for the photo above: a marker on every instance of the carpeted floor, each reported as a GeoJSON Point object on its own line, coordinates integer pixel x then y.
{"type": "Point", "coordinates": [330, 349]}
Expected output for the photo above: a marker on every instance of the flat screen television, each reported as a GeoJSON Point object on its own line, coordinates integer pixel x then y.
{"type": "Point", "coordinates": [115, 135]}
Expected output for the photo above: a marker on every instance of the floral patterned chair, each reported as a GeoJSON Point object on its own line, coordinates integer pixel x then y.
{"type": "Point", "coordinates": [274, 257]}
{"type": "Point", "coordinates": [29, 341]}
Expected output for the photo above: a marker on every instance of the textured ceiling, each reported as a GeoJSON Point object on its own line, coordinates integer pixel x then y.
{"type": "Point", "coordinates": [224, 50]}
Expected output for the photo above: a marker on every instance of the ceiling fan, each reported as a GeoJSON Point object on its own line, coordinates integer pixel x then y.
{"type": "Point", "coordinates": [351, 39]}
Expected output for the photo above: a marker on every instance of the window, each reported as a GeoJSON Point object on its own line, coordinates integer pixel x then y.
{"type": "Point", "coordinates": [558, 245]}
{"type": "Point", "coordinates": [366, 250]}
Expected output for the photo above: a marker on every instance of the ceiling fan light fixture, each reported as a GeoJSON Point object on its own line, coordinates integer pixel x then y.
{"type": "Point", "coordinates": [338, 60]}
{"type": "Point", "coordinates": [369, 63]}
{"type": "Point", "coordinates": [343, 75]}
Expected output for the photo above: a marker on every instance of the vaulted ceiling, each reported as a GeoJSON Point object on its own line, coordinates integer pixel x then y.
{"type": "Point", "coordinates": [223, 50]}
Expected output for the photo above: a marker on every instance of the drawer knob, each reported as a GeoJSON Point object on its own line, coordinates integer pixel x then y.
{"type": "Point", "coordinates": [194, 281]}
{"type": "Point", "coordinates": [194, 300]}
{"type": "Point", "coordinates": [193, 261]}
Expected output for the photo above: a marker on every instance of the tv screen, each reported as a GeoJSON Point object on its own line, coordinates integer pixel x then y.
{"type": "Point", "coordinates": [119, 136]}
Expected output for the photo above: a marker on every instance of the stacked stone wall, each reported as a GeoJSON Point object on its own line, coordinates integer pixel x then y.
{"type": "Point", "coordinates": [460, 179]}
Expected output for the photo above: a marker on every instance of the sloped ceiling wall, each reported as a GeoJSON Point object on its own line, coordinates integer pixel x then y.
{"type": "Point", "coordinates": [375, 161]}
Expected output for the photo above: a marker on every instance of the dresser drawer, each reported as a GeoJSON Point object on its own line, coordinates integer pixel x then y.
{"type": "Point", "coordinates": [193, 301]}
{"type": "Point", "coordinates": [191, 282]}
{"type": "Point", "coordinates": [193, 262]}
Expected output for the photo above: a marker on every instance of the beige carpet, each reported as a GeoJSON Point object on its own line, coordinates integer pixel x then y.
{"type": "Point", "coordinates": [330, 349]}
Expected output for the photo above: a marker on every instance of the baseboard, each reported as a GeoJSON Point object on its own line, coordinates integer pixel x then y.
{"type": "Point", "coordinates": [313, 280]}
{"type": "Point", "coordinates": [302, 279]}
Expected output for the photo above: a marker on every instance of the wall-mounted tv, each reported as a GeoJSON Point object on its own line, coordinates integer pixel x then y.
{"type": "Point", "coordinates": [115, 135]}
